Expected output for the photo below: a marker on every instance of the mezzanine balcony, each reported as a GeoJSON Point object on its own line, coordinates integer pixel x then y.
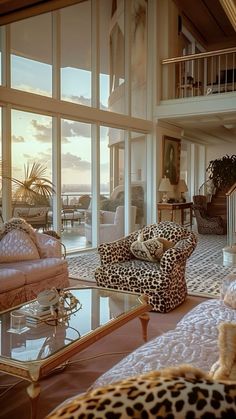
{"type": "Point", "coordinates": [201, 74]}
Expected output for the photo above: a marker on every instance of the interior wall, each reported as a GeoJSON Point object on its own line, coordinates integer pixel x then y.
{"type": "Point", "coordinates": [167, 45]}
{"type": "Point", "coordinates": [216, 152]}
{"type": "Point", "coordinates": [162, 130]}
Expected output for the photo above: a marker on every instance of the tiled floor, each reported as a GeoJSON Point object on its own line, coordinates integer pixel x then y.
{"type": "Point", "coordinates": [73, 238]}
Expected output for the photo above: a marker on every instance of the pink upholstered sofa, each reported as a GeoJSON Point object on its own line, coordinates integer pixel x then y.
{"type": "Point", "coordinates": [28, 267]}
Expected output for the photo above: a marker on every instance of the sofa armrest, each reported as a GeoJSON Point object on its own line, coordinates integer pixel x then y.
{"type": "Point", "coordinates": [48, 246]}
{"type": "Point", "coordinates": [117, 251]}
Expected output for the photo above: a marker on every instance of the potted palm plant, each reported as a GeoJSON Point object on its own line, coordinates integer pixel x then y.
{"type": "Point", "coordinates": [31, 196]}
{"type": "Point", "coordinates": [35, 189]}
{"type": "Point", "coordinates": [222, 172]}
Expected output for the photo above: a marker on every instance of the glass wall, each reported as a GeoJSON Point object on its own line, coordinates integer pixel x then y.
{"type": "Point", "coordinates": [54, 56]}
{"type": "Point", "coordinates": [31, 55]}
{"type": "Point", "coordinates": [111, 216]}
{"type": "Point", "coordinates": [138, 177]}
{"type": "Point", "coordinates": [75, 42]}
{"type": "Point", "coordinates": [32, 167]}
{"type": "Point", "coordinates": [76, 182]}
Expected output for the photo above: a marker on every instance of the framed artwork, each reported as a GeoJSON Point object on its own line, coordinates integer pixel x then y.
{"type": "Point", "coordinates": [171, 159]}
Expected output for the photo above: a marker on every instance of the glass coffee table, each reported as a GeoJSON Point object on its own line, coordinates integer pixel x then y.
{"type": "Point", "coordinates": [44, 346]}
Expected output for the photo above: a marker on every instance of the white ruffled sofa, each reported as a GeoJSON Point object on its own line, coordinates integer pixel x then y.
{"type": "Point", "coordinates": [30, 262]}
{"type": "Point", "coordinates": [186, 372]}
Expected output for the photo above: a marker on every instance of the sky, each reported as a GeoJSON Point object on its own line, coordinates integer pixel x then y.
{"type": "Point", "coordinates": [32, 133]}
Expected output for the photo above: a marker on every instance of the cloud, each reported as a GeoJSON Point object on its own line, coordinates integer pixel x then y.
{"type": "Point", "coordinates": [44, 132]}
{"type": "Point", "coordinates": [18, 139]}
{"type": "Point", "coordinates": [70, 161]}
{"type": "Point", "coordinates": [69, 129]}
{"type": "Point", "coordinates": [45, 159]}
{"type": "Point", "coordinates": [81, 100]}
{"type": "Point", "coordinates": [75, 129]}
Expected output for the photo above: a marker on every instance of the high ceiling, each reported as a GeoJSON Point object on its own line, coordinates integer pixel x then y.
{"type": "Point", "coordinates": [211, 26]}
{"type": "Point", "coordinates": [207, 18]}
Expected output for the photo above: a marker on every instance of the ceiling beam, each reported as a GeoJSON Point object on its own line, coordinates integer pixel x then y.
{"type": "Point", "coordinates": [14, 10]}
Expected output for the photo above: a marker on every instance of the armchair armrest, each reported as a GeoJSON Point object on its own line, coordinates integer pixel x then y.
{"type": "Point", "coordinates": [187, 245]}
{"type": "Point", "coordinates": [107, 217]}
{"type": "Point", "coordinates": [117, 251]}
{"type": "Point", "coordinates": [179, 253]}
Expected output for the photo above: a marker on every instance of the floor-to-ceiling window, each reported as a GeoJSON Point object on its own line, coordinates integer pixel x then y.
{"type": "Point", "coordinates": [75, 47]}
{"type": "Point", "coordinates": [65, 76]}
{"type": "Point", "coordinates": [31, 55]}
{"type": "Point", "coordinates": [76, 181]}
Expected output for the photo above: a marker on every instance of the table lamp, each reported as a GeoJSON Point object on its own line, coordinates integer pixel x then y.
{"type": "Point", "coordinates": [165, 187]}
{"type": "Point", "coordinates": [182, 187]}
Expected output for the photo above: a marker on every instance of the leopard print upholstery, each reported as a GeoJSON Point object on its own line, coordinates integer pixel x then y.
{"type": "Point", "coordinates": [172, 393]}
{"type": "Point", "coordinates": [164, 283]}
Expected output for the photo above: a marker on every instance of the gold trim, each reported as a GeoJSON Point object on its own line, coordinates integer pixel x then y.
{"type": "Point", "coordinates": [200, 55]}
{"type": "Point", "coordinates": [229, 7]}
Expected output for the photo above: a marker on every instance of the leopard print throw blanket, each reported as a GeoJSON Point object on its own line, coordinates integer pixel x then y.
{"type": "Point", "coordinates": [18, 224]}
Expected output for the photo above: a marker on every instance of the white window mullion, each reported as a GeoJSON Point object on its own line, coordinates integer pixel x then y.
{"type": "Point", "coordinates": [95, 131]}
{"type": "Point", "coordinates": [6, 127]}
{"type": "Point", "coordinates": [127, 17]}
{"type": "Point", "coordinates": [6, 55]}
{"type": "Point", "coordinates": [151, 184]}
{"type": "Point", "coordinates": [7, 164]}
{"type": "Point", "coordinates": [56, 123]}
{"type": "Point", "coordinates": [127, 105]}
{"type": "Point", "coordinates": [151, 154]}
{"type": "Point", "coordinates": [127, 180]}
{"type": "Point", "coordinates": [95, 53]}
{"type": "Point", "coordinates": [56, 55]}
{"type": "Point", "coordinates": [56, 172]}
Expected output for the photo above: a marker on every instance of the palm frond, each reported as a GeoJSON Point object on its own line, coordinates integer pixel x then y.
{"type": "Point", "coordinates": [36, 188]}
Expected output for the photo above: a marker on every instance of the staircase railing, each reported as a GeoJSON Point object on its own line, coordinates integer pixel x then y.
{"type": "Point", "coordinates": [231, 215]}
{"type": "Point", "coordinates": [199, 74]}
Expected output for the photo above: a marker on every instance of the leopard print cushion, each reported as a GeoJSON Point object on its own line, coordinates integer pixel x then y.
{"type": "Point", "coordinates": [172, 393]}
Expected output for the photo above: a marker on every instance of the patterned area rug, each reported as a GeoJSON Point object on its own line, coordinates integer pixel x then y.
{"type": "Point", "coordinates": [204, 271]}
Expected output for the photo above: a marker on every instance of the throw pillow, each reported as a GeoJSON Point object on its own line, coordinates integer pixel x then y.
{"type": "Point", "coordinates": [225, 367]}
{"type": "Point", "coordinates": [150, 250]}
{"type": "Point", "coordinates": [175, 392]}
{"type": "Point", "coordinates": [16, 246]}
{"type": "Point", "coordinates": [167, 244]}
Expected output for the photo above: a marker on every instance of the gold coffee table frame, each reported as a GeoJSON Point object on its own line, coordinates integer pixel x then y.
{"type": "Point", "coordinates": [126, 305]}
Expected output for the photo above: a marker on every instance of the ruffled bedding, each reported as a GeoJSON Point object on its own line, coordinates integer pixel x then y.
{"type": "Point", "coordinates": [193, 341]}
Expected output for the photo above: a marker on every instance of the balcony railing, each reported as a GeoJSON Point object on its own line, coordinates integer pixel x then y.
{"type": "Point", "coordinates": [199, 74]}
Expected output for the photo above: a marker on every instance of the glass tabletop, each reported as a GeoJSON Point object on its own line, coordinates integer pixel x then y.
{"type": "Point", "coordinates": [99, 307]}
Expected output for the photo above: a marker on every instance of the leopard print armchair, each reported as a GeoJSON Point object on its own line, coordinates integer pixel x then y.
{"type": "Point", "coordinates": [164, 281]}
